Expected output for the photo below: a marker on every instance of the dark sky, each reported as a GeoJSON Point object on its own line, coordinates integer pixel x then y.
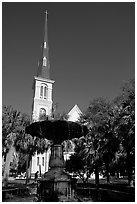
{"type": "Point", "coordinates": [91, 49]}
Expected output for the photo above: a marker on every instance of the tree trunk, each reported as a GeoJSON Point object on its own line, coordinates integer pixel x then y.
{"type": "Point", "coordinates": [96, 175]}
{"type": "Point", "coordinates": [118, 174]}
{"type": "Point", "coordinates": [30, 165]}
{"type": "Point", "coordinates": [107, 172]}
{"type": "Point", "coordinates": [82, 177]}
{"type": "Point", "coordinates": [129, 169]}
{"type": "Point", "coordinates": [9, 159]}
{"type": "Point", "coordinates": [28, 169]}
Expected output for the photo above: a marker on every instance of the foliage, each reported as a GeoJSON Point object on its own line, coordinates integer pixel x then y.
{"type": "Point", "coordinates": [78, 162]}
{"type": "Point", "coordinates": [59, 116]}
{"type": "Point", "coordinates": [111, 139]}
{"type": "Point", "coordinates": [102, 140]}
{"type": "Point", "coordinates": [14, 163]}
{"type": "Point", "coordinates": [22, 162]}
{"type": "Point", "coordinates": [13, 123]}
{"type": "Point", "coordinates": [25, 144]}
{"type": "Point", "coordinates": [68, 146]}
{"type": "Point", "coordinates": [125, 124]}
{"type": "Point", "coordinates": [43, 117]}
{"type": "Point", "coordinates": [56, 115]}
{"type": "Point", "coordinates": [126, 116]}
{"type": "Point", "coordinates": [13, 130]}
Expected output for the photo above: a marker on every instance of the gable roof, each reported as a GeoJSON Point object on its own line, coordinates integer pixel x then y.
{"type": "Point", "coordinates": [74, 113]}
{"type": "Point", "coordinates": [75, 108]}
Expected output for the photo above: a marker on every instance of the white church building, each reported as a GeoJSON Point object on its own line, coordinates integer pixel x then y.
{"type": "Point", "coordinates": [42, 102]}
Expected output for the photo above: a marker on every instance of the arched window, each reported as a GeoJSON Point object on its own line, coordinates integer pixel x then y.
{"type": "Point", "coordinates": [42, 111]}
{"type": "Point", "coordinates": [43, 91]}
{"type": "Point", "coordinates": [37, 161]}
{"type": "Point", "coordinates": [42, 161]}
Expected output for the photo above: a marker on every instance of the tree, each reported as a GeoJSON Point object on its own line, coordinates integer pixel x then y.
{"type": "Point", "coordinates": [43, 117]}
{"type": "Point", "coordinates": [92, 152]}
{"type": "Point", "coordinates": [9, 157]}
{"type": "Point", "coordinates": [28, 146]}
{"type": "Point", "coordinates": [13, 122]}
{"type": "Point", "coordinates": [68, 146]}
{"type": "Point", "coordinates": [25, 145]}
{"type": "Point", "coordinates": [78, 163]}
{"type": "Point", "coordinates": [59, 116]}
{"type": "Point", "coordinates": [118, 165]}
{"type": "Point", "coordinates": [102, 140]}
{"type": "Point", "coordinates": [14, 163]}
{"type": "Point", "coordinates": [125, 124]}
{"type": "Point", "coordinates": [21, 163]}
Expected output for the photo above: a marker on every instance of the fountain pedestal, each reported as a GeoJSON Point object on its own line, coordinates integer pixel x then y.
{"type": "Point", "coordinates": [56, 184]}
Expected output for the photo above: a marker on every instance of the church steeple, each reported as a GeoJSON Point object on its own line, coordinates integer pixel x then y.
{"type": "Point", "coordinates": [44, 65]}
{"type": "Point", "coordinates": [42, 86]}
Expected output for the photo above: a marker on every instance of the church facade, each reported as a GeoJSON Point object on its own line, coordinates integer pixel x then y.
{"type": "Point", "coordinates": [42, 102]}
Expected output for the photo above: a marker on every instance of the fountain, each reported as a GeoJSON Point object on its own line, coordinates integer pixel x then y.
{"type": "Point", "coordinates": [56, 185]}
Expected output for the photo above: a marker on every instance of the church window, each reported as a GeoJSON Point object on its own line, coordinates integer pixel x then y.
{"type": "Point", "coordinates": [41, 91]}
{"type": "Point", "coordinates": [44, 61]}
{"type": "Point", "coordinates": [45, 45]}
{"type": "Point", "coordinates": [42, 161]}
{"type": "Point", "coordinates": [37, 161]}
{"type": "Point", "coordinates": [45, 92]}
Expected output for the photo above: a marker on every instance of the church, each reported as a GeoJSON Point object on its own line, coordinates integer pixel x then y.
{"type": "Point", "coordinates": [43, 103]}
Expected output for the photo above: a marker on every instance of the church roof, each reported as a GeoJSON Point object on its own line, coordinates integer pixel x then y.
{"type": "Point", "coordinates": [44, 64]}
{"type": "Point", "coordinates": [75, 108]}
{"type": "Point", "coordinates": [74, 113]}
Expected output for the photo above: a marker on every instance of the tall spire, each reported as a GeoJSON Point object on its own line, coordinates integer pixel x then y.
{"type": "Point", "coordinates": [44, 65]}
{"type": "Point", "coordinates": [45, 34]}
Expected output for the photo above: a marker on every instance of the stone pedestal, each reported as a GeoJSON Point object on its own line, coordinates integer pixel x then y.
{"type": "Point", "coordinates": [56, 184]}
